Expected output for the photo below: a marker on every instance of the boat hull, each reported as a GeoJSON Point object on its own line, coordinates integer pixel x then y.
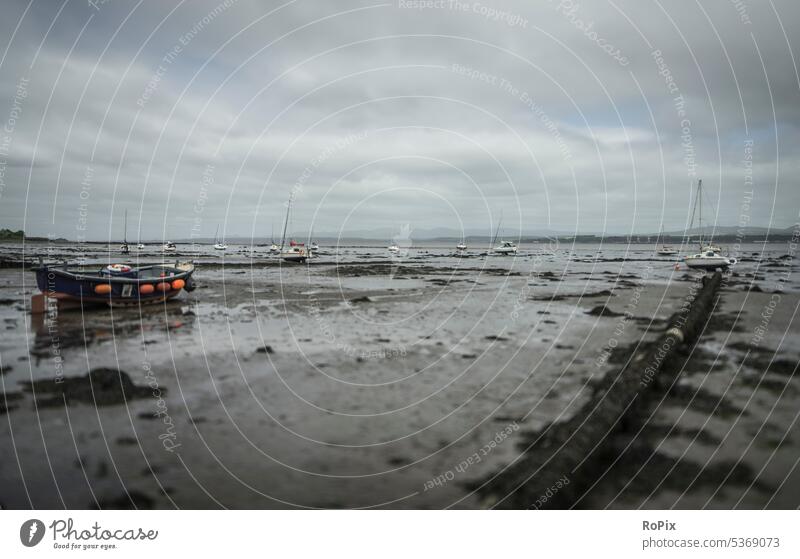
{"type": "Point", "coordinates": [121, 289]}
{"type": "Point", "coordinates": [707, 263]}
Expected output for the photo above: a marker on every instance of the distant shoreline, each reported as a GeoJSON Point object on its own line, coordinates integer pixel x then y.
{"type": "Point", "coordinates": [354, 241]}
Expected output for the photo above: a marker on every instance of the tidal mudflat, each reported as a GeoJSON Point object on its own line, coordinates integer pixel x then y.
{"type": "Point", "coordinates": [361, 380]}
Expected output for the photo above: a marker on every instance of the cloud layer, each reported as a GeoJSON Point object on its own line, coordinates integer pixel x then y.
{"type": "Point", "coordinates": [560, 115]}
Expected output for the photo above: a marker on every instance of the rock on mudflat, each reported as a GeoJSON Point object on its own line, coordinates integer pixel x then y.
{"type": "Point", "coordinates": [602, 310]}
{"type": "Point", "coordinates": [102, 387]}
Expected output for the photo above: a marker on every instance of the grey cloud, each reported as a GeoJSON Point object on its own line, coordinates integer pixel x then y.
{"type": "Point", "coordinates": [555, 131]}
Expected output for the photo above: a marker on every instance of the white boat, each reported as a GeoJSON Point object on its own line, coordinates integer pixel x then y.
{"type": "Point", "coordinates": [710, 257]}
{"type": "Point", "coordinates": [461, 247]}
{"type": "Point", "coordinates": [393, 248]}
{"type": "Point", "coordinates": [140, 246]}
{"type": "Point", "coordinates": [666, 250]}
{"type": "Point", "coordinates": [314, 248]}
{"type": "Point", "coordinates": [506, 247]}
{"type": "Point", "coordinates": [709, 260]}
{"type": "Point", "coordinates": [169, 246]}
{"type": "Point", "coordinates": [295, 252]}
{"type": "Point", "coordinates": [218, 245]}
{"type": "Point", "coordinates": [273, 249]}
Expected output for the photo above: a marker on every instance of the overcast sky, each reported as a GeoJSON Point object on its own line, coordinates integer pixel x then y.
{"type": "Point", "coordinates": [559, 115]}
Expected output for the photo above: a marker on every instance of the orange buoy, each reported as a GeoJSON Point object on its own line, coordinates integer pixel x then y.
{"type": "Point", "coordinates": [163, 286]}
{"type": "Point", "coordinates": [146, 289]}
{"type": "Point", "coordinates": [178, 284]}
{"type": "Point", "coordinates": [102, 288]}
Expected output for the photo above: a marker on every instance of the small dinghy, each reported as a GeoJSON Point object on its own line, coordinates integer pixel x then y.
{"type": "Point", "coordinates": [116, 284]}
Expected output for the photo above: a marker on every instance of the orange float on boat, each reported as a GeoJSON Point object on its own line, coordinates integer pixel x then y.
{"type": "Point", "coordinates": [102, 288]}
{"type": "Point", "coordinates": [178, 284]}
{"type": "Point", "coordinates": [163, 286]}
{"type": "Point", "coordinates": [146, 289]}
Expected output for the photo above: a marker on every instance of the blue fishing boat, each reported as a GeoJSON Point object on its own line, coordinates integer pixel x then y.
{"type": "Point", "coordinates": [115, 284]}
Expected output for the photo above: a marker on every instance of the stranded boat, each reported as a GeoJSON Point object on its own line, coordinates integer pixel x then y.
{"type": "Point", "coordinates": [666, 250]}
{"type": "Point", "coordinates": [116, 284]}
{"type": "Point", "coordinates": [709, 260]}
{"type": "Point", "coordinates": [506, 247]}
{"type": "Point", "coordinates": [296, 252]}
{"type": "Point", "coordinates": [710, 257]}
{"type": "Point", "coordinates": [218, 244]}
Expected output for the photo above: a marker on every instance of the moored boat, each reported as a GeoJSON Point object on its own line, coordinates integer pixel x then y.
{"type": "Point", "coordinates": [169, 246]}
{"type": "Point", "coordinates": [710, 257]}
{"type": "Point", "coordinates": [666, 250]}
{"type": "Point", "coordinates": [506, 247]}
{"type": "Point", "coordinates": [115, 284]}
{"type": "Point", "coordinates": [218, 243]}
{"type": "Point", "coordinates": [709, 260]}
{"type": "Point", "coordinates": [297, 252]}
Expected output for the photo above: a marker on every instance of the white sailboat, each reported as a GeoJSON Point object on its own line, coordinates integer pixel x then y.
{"type": "Point", "coordinates": [218, 245]}
{"type": "Point", "coordinates": [461, 247]}
{"type": "Point", "coordinates": [169, 246]}
{"type": "Point", "coordinates": [505, 247]}
{"type": "Point", "coordinates": [393, 248]}
{"type": "Point", "coordinates": [709, 257]}
{"type": "Point", "coordinates": [665, 250]}
{"type": "Point", "coordinates": [273, 249]}
{"type": "Point", "coordinates": [295, 252]}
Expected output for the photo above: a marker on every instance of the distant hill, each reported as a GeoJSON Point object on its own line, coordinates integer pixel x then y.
{"type": "Point", "coordinates": [9, 235]}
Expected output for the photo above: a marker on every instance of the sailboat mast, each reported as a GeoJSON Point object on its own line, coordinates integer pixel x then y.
{"type": "Point", "coordinates": [496, 233]}
{"type": "Point", "coordinates": [286, 222]}
{"type": "Point", "coordinates": [700, 204]}
{"type": "Point", "coordinates": [125, 231]}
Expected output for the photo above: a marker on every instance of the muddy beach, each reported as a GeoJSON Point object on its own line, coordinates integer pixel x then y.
{"type": "Point", "coordinates": [361, 380]}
